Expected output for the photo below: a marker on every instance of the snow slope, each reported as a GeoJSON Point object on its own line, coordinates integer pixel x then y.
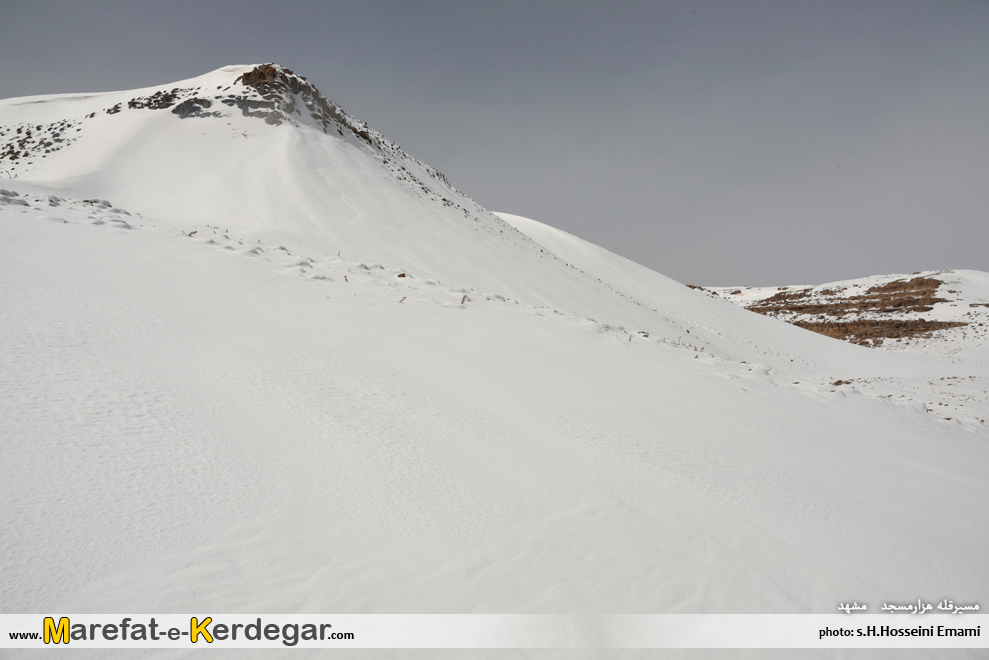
{"type": "Point", "coordinates": [946, 373]}
{"type": "Point", "coordinates": [271, 374]}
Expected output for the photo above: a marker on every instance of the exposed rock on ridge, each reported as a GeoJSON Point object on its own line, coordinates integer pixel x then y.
{"type": "Point", "coordinates": [283, 91]}
{"type": "Point", "coordinates": [861, 314]}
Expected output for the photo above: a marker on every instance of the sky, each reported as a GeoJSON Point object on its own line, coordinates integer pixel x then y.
{"type": "Point", "coordinates": [719, 143]}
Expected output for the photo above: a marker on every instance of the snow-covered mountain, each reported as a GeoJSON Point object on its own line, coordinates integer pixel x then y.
{"type": "Point", "coordinates": [252, 343]}
{"type": "Point", "coordinates": [270, 158]}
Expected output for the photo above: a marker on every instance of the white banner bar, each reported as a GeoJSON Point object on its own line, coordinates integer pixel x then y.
{"type": "Point", "coordinates": [493, 631]}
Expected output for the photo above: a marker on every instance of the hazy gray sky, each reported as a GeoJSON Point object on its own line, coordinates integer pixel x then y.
{"type": "Point", "coordinates": [716, 142]}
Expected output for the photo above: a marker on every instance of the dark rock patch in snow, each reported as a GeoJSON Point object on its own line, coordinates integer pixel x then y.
{"type": "Point", "coordinates": [193, 108]}
{"type": "Point", "coordinates": [157, 101]}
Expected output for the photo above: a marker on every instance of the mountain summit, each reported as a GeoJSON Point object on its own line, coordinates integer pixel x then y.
{"type": "Point", "coordinates": [40, 133]}
{"type": "Point", "coordinates": [269, 92]}
{"type": "Point", "coordinates": [290, 97]}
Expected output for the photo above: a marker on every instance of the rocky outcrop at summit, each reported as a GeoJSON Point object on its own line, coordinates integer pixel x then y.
{"type": "Point", "coordinates": [269, 92]}
{"type": "Point", "coordinates": [269, 80]}
{"type": "Point", "coordinates": [284, 92]}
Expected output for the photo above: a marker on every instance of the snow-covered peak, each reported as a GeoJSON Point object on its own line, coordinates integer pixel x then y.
{"type": "Point", "coordinates": [277, 94]}
{"type": "Point", "coordinates": [267, 92]}
{"type": "Point", "coordinates": [253, 147]}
